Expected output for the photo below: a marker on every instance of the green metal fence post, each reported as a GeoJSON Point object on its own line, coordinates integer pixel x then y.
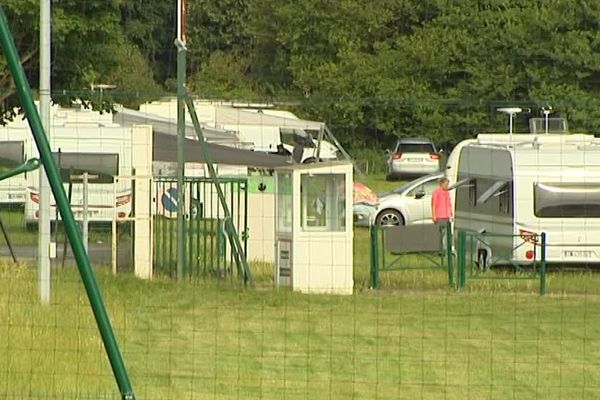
{"type": "Point", "coordinates": [83, 263]}
{"type": "Point", "coordinates": [234, 239]}
{"type": "Point", "coordinates": [374, 257]}
{"type": "Point", "coordinates": [543, 266]}
{"type": "Point", "coordinates": [449, 254]}
{"type": "Point", "coordinates": [461, 258]}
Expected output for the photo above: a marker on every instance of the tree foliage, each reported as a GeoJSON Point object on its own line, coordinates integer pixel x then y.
{"type": "Point", "coordinates": [372, 70]}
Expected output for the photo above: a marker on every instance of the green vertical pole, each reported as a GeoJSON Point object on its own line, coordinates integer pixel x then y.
{"type": "Point", "coordinates": [190, 230]}
{"type": "Point", "coordinates": [462, 259]}
{"type": "Point", "coordinates": [234, 239]}
{"type": "Point", "coordinates": [374, 258]}
{"type": "Point", "coordinates": [181, 61]}
{"type": "Point", "coordinates": [83, 263]}
{"type": "Point", "coordinates": [543, 266]}
{"type": "Point", "coordinates": [449, 255]}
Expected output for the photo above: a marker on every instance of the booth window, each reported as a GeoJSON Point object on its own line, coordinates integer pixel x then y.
{"type": "Point", "coordinates": [284, 203]}
{"type": "Point", "coordinates": [323, 202]}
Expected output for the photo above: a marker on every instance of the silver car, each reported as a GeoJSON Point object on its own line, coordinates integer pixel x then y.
{"type": "Point", "coordinates": [409, 204]}
{"type": "Point", "coordinates": [412, 157]}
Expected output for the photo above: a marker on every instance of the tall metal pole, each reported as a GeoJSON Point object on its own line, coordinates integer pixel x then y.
{"type": "Point", "coordinates": [44, 190]}
{"type": "Point", "coordinates": [181, 67]}
{"type": "Point", "coordinates": [88, 276]}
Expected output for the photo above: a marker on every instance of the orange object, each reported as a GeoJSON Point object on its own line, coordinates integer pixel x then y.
{"type": "Point", "coordinates": [362, 194]}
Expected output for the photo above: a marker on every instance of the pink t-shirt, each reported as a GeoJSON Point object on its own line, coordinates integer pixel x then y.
{"type": "Point", "coordinates": [441, 205]}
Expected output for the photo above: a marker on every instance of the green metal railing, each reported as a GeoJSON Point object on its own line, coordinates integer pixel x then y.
{"type": "Point", "coordinates": [384, 261]}
{"type": "Point", "coordinates": [478, 253]}
{"type": "Point", "coordinates": [207, 247]}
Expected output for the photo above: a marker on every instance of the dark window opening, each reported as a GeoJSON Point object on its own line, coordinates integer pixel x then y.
{"type": "Point", "coordinates": [567, 200]}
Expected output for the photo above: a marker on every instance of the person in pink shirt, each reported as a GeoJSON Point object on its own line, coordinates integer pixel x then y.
{"type": "Point", "coordinates": [441, 210]}
{"type": "Point", "coordinates": [441, 205]}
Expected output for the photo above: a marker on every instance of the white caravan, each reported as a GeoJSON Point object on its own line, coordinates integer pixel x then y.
{"type": "Point", "coordinates": [101, 151]}
{"type": "Point", "coordinates": [523, 185]}
{"type": "Point", "coordinates": [265, 130]}
{"type": "Point", "coordinates": [16, 144]}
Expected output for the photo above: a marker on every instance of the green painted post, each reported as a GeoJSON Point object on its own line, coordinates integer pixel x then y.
{"type": "Point", "coordinates": [449, 254]}
{"type": "Point", "coordinates": [234, 238]}
{"type": "Point", "coordinates": [374, 258]}
{"type": "Point", "coordinates": [543, 266]}
{"type": "Point", "coordinates": [462, 259]}
{"type": "Point", "coordinates": [83, 263]}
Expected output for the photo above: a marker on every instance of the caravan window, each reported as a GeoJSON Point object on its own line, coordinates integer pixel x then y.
{"type": "Point", "coordinates": [473, 192]}
{"type": "Point", "coordinates": [567, 200]}
{"type": "Point", "coordinates": [12, 153]}
{"type": "Point", "coordinates": [102, 167]}
{"type": "Point", "coordinates": [493, 191]}
{"type": "Point", "coordinates": [505, 199]}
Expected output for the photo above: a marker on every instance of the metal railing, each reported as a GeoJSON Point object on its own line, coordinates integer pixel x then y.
{"type": "Point", "coordinates": [479, 252]}
{"type": "Point", "coordinates": [207, 249]}
{"type": "Point", "coordinates": [436, 248]}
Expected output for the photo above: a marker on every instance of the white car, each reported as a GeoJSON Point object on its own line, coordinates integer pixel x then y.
{"type": "Point", "coordinates": [409, 204]}
{"type": "Point", "coordinates": [412, 158]}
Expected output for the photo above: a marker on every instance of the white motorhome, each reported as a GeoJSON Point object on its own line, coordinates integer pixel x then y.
{"type": "Point", "coordinates": [264, 130]}
{"type": "Point", "coordinates": [523, 185]}
{"type": "Point", "coordinates": [103, 152]}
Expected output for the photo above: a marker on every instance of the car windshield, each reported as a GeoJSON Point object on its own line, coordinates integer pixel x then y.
{"type": "Point", "coordinates": [402, 188]}
{"type": "Point", "coordinates": [405, 187]}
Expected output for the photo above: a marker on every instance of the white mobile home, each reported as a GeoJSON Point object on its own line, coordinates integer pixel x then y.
{"type": "Point", "coordinates": [271, 131]}
{"type": "Point", "coordinates": [101, 151]}
{"type": "Point", "coordinates": [17, 145]}
{"type": "Point", "coordinates": [525, 185]}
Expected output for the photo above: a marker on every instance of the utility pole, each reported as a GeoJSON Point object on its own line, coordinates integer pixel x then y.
{"type": "Point", "coordinates": [45, 193]}
{"type": "Point", "coordinates": [181, 71]}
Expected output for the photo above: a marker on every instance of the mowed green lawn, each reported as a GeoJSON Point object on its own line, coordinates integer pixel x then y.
{"type": "Point", "coordinates": [204, 340]}
{"type": "Point", "coordinates": [414, 339]}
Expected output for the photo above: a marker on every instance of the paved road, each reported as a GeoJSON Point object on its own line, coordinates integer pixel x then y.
{"type": "Point", "coordinates": [100, 254]}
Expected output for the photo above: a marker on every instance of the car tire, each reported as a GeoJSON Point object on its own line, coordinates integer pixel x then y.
{"type": "Point", "coordinates": [389, 217]}
{"type": "Point", "coordinates": [310, 160]}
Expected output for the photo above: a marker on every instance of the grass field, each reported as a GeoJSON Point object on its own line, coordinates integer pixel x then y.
{"type": "Point", "coordinates": [204, 340]}
{"type": "Point", "coordinates": [415, 339]}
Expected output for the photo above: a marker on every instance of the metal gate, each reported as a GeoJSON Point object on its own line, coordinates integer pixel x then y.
{"type": "Point", "coordinates": [207, 248]}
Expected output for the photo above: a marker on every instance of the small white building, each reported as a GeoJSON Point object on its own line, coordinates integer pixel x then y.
{"type": "Point", "coordinates": [313, 228]}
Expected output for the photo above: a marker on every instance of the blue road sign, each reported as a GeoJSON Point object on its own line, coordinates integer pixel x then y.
{"type": "Point", "coordinates": [169, 200]}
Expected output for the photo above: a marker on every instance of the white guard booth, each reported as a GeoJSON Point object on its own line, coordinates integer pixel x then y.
{"type": "Point", "coordinates": [313, 227]}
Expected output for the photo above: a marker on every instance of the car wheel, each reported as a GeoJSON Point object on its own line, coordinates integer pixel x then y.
{"type": "Point", "coordinates": [389, 217]}
{"type": "Point", "coordinates": [482, 260]}
{"type": "Point", "coordinates": [310, 160]}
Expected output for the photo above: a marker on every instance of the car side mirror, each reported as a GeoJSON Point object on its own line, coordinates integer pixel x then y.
{"type": "Point", "coordinates": [387, 151]}
{"type": "Point", "coordinates": [419, 195]}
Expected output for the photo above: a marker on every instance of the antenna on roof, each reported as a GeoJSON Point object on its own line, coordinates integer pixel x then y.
{"type": "Point", "coordinates": [546, 111]}
{"type": "Point", "coordinates": [511, 111]}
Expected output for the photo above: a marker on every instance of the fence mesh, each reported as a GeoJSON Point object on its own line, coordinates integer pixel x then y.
{"type": "Point", "coordinates": [210, 336]}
